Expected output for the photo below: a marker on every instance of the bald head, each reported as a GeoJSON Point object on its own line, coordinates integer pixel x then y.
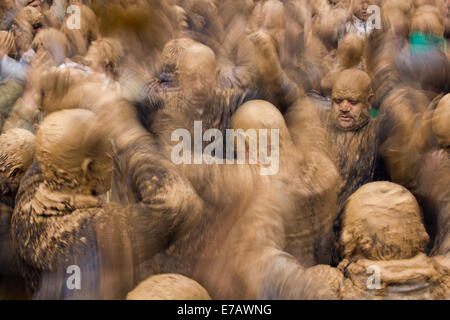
{"type": "Point", "coordinates": [351, 97]}
{"type": "Point", "coordinates": [441, 123]}
{"type": "Point", "coordinates": [16, 155]}
{"type": "Point", "coordinates": [350, 51]}
{"type": "Point", "coordinates": [428, 19]}
{"type": "Point", "coordinates": [168, 287]}
{"type": "Point", "coordinates": [172, 52]}
{"type": "Point", "coordinates": [71, 153]}
{"type": "Point", "coordinates": [260, 126]}
{"type": "Point", "coordinates": [260, 114]}
{"type": "Point", "coordinates": [105, 55]}
{"type": "Point", "coordinates": [196, 55]}
{"type": "Point", "coordinates": [382, 221]}
{"type": "Point", "coordinates": [352, 84]}
{"type": "Point", "coordinates": [197, 74]}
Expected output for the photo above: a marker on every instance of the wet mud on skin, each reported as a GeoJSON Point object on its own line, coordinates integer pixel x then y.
{"type": "Point", "coordinates": [93, 182]}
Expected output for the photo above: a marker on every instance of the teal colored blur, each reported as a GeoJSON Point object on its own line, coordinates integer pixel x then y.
{"type": "Point", "coordinates": [422, 43]}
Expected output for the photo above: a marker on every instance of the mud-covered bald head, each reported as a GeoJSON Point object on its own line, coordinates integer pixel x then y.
{"type": "Point", "coordinates": [105, 56]}
{"type": "Point", "coordinates": [441, 123]}
{"type": "Point", "coordinates": [197, 73]}
{"type": "Point", "coordinates": [71, 153]}
{"type": "Point", "coordinates": [172, 52]}
{"type": "Point", "coordinates": [429, 20]}
{"type": "Point", "coordinates": [169, 287]}
{"type": "Point", "coordinates": [351, 95]}
{"type": "Point", "coordinates": [16, 155]}
{"type": "Point", "coordinates": [261, 128]}
{"type": "Point", "coordinates": [382, 221]}
{"type": "Point", "coordinates": [350, 50]}
{"type": "Point", "coordinates": [260, 114]}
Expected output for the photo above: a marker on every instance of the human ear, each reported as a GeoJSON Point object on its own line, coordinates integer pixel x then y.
{"type": "Point", "coordinates": [88, 168]}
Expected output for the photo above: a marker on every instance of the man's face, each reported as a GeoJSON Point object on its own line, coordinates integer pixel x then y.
{"type": "Point", "coordinates": [197, 77]}
{"type": "Point", "coordinates": [351, 97]}
{"type": "Point", "coordinates": [347, 112]}
{"type": "Point", "coordinates": [360, 9]}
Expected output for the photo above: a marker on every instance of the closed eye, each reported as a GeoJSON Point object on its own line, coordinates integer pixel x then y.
{"type": "Point", "coordinates": [15, 172]}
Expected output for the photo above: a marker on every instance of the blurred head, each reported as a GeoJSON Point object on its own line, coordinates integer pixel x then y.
{"type": "Point", "coordinates": [382, 221]}
{"type": "Point", "coordinates": [351, 98]}
{"type": "Point", "coordinates": [72, 154]}
{"type": "Point", "coordinates": [105, 56]}
{"type": "Point", "coordinates": [441, 123]}
{"type": "Point", "coordinates": [350, 51]}
{"type": "Point", "coordinates": [35, 4]}
{"type": "Point", "coordinates": [16, 155]}
{"type": "Point", "coordinates": [81, 38]}
{"type": "Point", "coordinates": [274, 17]}
{"type": "Point", "coordinates": [260, 114]}
{"type": "Point", "coordinates": [197, 74]}
{"type": "Point", "coordinates": [395, 20]}
{"type": "Point", "coordinates": [427, 19]}
{"type": "Point", "coordinates": [331, 26]}
{"type": "Point", "coordinates": [262, 135]}
{"type": "Point", "coordinates": [168, 287]}
{"type": "Point", "coordinates": [172, 51]}
{"type": "Point", "coordinates": [32, 16]}
{"type": "Point", "coordinates": [54, 42]}
{"type": "Point", "coordinates": [360, 8]}
{"type": "Point", "coordinates": [55, 84]}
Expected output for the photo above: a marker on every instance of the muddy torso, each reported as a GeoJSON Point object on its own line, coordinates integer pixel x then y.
{"type": "Point", "coordinates": [356, 156]}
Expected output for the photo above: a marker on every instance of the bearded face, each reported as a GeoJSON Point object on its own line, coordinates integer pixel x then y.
{"type": "Point", "coordinates": [349, 112]}
{"type": "Point", "coordinates": [351, 97]}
